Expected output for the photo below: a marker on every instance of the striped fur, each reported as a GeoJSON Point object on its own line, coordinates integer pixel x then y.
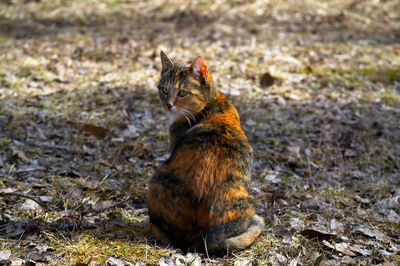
{"type": "Point", "coordinates": [199, 198]}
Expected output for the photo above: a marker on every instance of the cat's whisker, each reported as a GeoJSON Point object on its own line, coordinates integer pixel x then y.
{"type": "Point", "coordinates": [190, 124]}
{"type": "Point", "coordinates": [200, 112]}
{"type": "Point", "coordinates": [190, 114]}
{"type": "Point", "coordinates": [188, 108]}
{"type": "Point", "coordinates": [204, 116]}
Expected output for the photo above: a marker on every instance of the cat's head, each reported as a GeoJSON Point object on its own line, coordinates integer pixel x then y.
{"type": "Point", "coordinates": [184, 90]}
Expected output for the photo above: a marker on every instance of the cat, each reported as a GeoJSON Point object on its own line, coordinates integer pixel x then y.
{"type": "Point", "coordinates": [199, 198]}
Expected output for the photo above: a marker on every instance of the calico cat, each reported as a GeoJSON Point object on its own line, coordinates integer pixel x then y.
{"type": "Point", "coordinates": [199, 198]}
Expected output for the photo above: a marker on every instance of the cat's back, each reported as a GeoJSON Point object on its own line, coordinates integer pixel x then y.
{"type": "Point", "coordinates": [220, 125]}
{"type": "Point", "coordinates": [212, 160]}
{"type": "Point", "coordinates": [208, 171]}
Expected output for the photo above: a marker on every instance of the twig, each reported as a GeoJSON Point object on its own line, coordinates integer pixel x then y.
{"type": "Point", "coordinates": [114, 205]}
{"type": "Point", "coordinates": [38, 201]}
{"type": "Point", "coordinates": [205, 246]}
{"type": "Point", "coordinates": [364, 19]}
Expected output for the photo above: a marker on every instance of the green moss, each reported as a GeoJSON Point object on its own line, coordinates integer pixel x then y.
{"type": "Point", "coordinates": [89, 248]}
{"type": "Point", "coordinates": [353, 73]}
{"type": "Point", "coordinates": [390, 97]}
{"type": "Point", "coordinates": [337, 193]}
{"type": "Point", "coordinates": [392, 74]}
{"type": "Point", "coordinates": [205, 3]}
{"type": "Point", "coordinates": [116, 3]}
{"type": "Point", "coordinates": [259, 251]}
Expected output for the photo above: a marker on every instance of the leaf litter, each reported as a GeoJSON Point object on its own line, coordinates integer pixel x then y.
{"type": "Point", "coordinates": [81, 129]}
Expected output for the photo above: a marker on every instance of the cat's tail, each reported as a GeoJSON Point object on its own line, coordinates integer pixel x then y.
{"type": "Point", "coordinates": [246, 238]}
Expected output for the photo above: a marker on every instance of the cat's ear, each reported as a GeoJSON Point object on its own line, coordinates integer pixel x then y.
{"type": "Point", "coordinates": [165, 62]}
{"type": "Point", "coordinates": [199, 70]}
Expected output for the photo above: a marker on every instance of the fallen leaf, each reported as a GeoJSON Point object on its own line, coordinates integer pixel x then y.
{"type": "Point", "coordinates": [350, 153]}
{"type": "Point", "coordinates": [17, 154]}
{"type": "Point", "coordinates": [344, 248]}
{"type": "Point", "coordinates": [386, 253]}
{"type": "Point", "coordinates": [117, 262]}
{"type": "Point", "coordinates": [5, 255]}
{"type": "Point", "coordinates": [312, 203]}
{"type": "Point", "coordinates": [266, 80]}
{"type": "Point", "coordinates": [318, 261]}
{"type": "Point", "coordinates": [335, 225]}
{"type": "Point", "coordinates": [272, 177]}
{"type": "Point", "coordinates": [361, 200]}
{"type": "Point", "coordinates": [281, 259]}
{"type": "Point", "coordinates": [14, 228]}
{"type": "Point", "coordinates": [21, 227]}
{"type": "Point", "coordinates": [391, 215]}
{"type": "Point", "coordinates": [188, 259]}
{"type": "Point", "coordinates": [318, 234]}
{"type": "Point", "coordinates": [296, 223]}
{"type": "Point", "coordinates": [91, 184]}
{"type": "Point", "coordinates": [3, 219]}
{"type": "Point", "coordinates": [167, 261]}
{"type": "Point", "coordinates": [368, 231]}
{"type": "Point", "coordinates": [89, 150]}
{"type": "Point", "coordinates": [18, 262]}
{"type": "Point", "coordinates": [384, 238]}
{"type": "Point", "coordinates": [250, 122]}
{"type": "Point", "coordinates": [66, 224]}
{"type": "Point", "coordinates": [37, 256]}
{"type": "Point", "coordinates": [81, 264]}
{"type": "Point", "coordinates": [361, 250]}
{"type": "Point", "coordinates": [30, 205]}
{"type": "Point", "coordinates": [390, 203]}
{"type": "Point", "coordinates": [130, 132]}
{"type": "Point", "coordinates": [103, 204]}
{"type": "Point", "coordinates": [73, 193]}
{"type": "Point", "coordinates": [294, 262]}
{"type": "Point", "coordinates": [97, 131]}
{"type": "Point", "coordinates": [294, 150]}
{"type": "Point", "coordinates": [242, 263]}
{"type": "Point", "coordinates": [117, 222]}
{"type": "Point", "coordinates": [321, 221]}
{"type": "Point", "coordinates": [46, 198]}
{"type": "Point", "coordinates": [286, 235]}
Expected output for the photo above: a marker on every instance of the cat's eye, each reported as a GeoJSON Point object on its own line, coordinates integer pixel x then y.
{"type": "Point", "coordinates": [165, 90]}
{"type": "Point", "coordinates": [182, 93]}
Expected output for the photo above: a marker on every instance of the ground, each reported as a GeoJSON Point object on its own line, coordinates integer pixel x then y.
{"type": "Point", "coordinates": [317, 86]}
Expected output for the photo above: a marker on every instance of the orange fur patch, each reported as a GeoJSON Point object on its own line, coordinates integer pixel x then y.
{"type": "Point", "coordinates": [229, 117]}
{"type": "Point", "coordinates": [184, 215]}
{"type": "Point", "coordinates": [200, 170]}
{"type": "Point", "coordinates": [236, 214]}
{"type": "Point", "coordinates": [236, 192]}
{"type": "Point", "coordinates": [204, 215]}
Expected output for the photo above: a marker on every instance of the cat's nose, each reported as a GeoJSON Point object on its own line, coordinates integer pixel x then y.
{"type": "Point", "coordinates": [169, 105]}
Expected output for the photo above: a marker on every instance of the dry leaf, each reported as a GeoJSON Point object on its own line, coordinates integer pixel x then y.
{"type": "Point", "coordinates": [266, 80]}
{"type": "Point", "coordinates": [117, 262]}
{"type": "Point", "coordinates": [343, 248]}
{"type": "Point", "coordinates": [30, 205]}
{"type": "Point", "coordinates": [368, 231]}
{"type": "Point", "coordinates": [296, 223]}
{"type": "Point", "coordinates": [5, 255]}
{"type": "Point", "coordinates": [97, 131]}
{"type": "Point", "coordinates": [317, 234]}
{"type": "Point", "coordinates": [390, 203]}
